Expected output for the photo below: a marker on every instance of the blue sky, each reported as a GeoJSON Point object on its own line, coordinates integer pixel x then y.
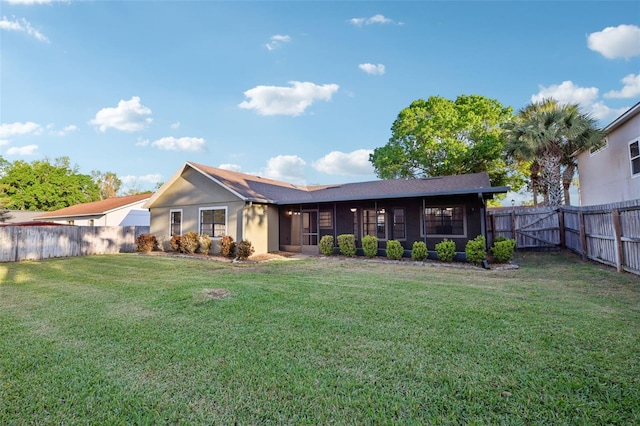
{"type": "Point", "coordinates": [297, 91]}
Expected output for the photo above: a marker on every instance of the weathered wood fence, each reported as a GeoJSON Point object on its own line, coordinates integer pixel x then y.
{"type": "Point", "coordinates": [41, 242]}
{"type": "Point", "coordinates": [608, 234]}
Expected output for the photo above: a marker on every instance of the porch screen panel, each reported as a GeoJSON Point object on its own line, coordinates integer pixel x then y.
{"type": "Point", "coordinates": [445, 220]}
{"type": "Point", "coordinates": [399, 229]}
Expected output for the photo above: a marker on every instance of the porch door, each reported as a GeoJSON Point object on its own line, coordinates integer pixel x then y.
{"type": "Point", "coordinates": [310, 231]}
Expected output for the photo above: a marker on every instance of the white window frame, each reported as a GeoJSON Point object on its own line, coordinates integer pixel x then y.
{"type": "Point", "coordinates": [602, 148]}
{"type": "Point", "coordinates": [171, 217]}
{"type": "Point", "coordinates": [423, 222]}
{"type": "Point", "coordinates": [226, 219]}
{"type": "Point", "coordinates": [637, 141]}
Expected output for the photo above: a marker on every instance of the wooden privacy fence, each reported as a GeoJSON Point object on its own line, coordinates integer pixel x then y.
{"type": "Point", "coordinates": [41, 242]}
{"type": "Point", "coordinates": [608, 234]}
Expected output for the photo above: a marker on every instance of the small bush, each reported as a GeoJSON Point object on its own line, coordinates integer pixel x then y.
{"type": "Point", "coordinates": [419, 251]}
{"type": "Point", "coordinates": [227, 246]}
{"type": "Point", "coordinates": [446, 250]}
{"type": "Point", "coordinates": [175, 243]}
{"type": "Point", "coordinates": [394, 250]}
{"type": "Point", "coordinates": [189, 242]}
{"type": "Point", "coordinates": [476, 250]}
{"type": "Point", "coordinates": [146, 243]}
{"type": "Point", "coordinates": [205, 243]}
{"type": "Point", "coordinates": [326, 245]}
{"type": "Point", "coordinates": [502, 251]}
{"type": "Point", "coordinates": [347, 244]}
{"type": "Point", "coordinates": [499, 238]}
{"type": "Point", "coordinates": [370, 245]}
{"type": "Point", "coordinates": [245, 249]}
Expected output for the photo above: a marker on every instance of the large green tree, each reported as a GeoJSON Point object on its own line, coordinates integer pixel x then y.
{"type": "Point", "coordinates": [439, 137]}
{"type": "Point", "coordinates": [45, 185]}
{"type": "Point", "coordinates": [550, 135]}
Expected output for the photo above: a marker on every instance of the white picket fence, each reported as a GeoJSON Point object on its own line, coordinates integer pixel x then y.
{"type": "Point", "coordinates": [19, 243]}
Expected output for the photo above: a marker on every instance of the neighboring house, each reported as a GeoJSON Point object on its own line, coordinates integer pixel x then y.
{"type": "Point", "coordinates": [612, 173]}
{"type": "Point", "coordinates": [117, 211]}
{"type": "Point", "coordinates": [275, 215]}
{"type": "Point", "coordinates": [18, 216]}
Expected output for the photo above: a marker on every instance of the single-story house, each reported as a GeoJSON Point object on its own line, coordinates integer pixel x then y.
{"type": "Point", "coordinates": [117, 211]}
{"type": "Point", "coordinates": [8, 217]}
{"type": "Point", "coordinates": [611, 173]}
{"type": "Point", "coordinates": [279, 216]}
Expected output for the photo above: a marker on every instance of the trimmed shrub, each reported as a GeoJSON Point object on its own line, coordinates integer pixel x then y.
{"type": "Point", "coordinates": [175, 243]}
{"type": "Point", "coordinates": [419, 251]}
{"type": "Point", "coordinates": [394, 250]}
{"type": "Point", "coordinates": [205, 243]}
{"type": "Point", "coordinates": [476, 250]}
{"type": "Point", "coordinates": [370, 245]}
{"type": "Point", "coordinates": [245, 249]}
{"type": "Point", "coordinates": [189, 242]}
{"type": "Point", "coordinates": [446, 250]}
{"type": "Point", "coordinates": [326, 245]}
{"type": "Point", "coordinates": [347, 244]}
{"type": "Point", "coordinates": [502, 251]}
{"type": "Point", "coordinates": [146, 243]}
{"type": "Point", "coordinates": [227, 246]}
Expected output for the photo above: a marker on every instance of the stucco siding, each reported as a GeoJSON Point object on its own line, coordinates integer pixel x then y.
{"type": "Point", "coordinates": [189, 193]}
{"type": "Point", "coordinates": [605, 176]}
{"type": "Point", "coordinates": [261, 227]}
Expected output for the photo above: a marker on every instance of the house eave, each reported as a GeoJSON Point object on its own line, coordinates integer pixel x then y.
{"type": "Point", "coordinates": [481, 191]}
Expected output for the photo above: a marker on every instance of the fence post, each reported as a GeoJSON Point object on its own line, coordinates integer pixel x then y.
{"type": "Point", "coordinates": [513, 225]}
{"type": "Point", "coordinates": [583, 236]}
{"type": "Point", "coordinates": [561, 227]}
{"type": "Point", "coordinates": [615, 217]}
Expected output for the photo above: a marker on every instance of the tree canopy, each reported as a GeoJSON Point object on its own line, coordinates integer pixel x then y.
{"type": "Point", "coordinates": [43, 185]}
{"type": "Point", "coordinates": [548, 135]}
{"type": "Point", "coordinates": [439, 137]}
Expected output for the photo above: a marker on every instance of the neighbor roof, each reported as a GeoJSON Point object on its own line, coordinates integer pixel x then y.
{"type": "Point", "coordinates": [96, 207]}
{"type": "Point", "coordinates": [264, 190]}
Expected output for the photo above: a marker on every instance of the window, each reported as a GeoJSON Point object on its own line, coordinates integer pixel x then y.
{"type": "Point", "coordinates": [399, 229]}
{"type": "Point", "coordinates": [213, 221]}
{"type": "Point", "coordinates": [634, 156]}
{"type": "Point", "coordinates": [175, 222]}
{"type": "Point", "coordinates": [91, 222]}
{"type": "Point", "coordinates": [374, 223]}
{"type": "Point", "coordinates": [444, 220]}
{"type": "Point", "coordinates": [325, 219]}
{"type": "Point", "coordinates": [597, 149]}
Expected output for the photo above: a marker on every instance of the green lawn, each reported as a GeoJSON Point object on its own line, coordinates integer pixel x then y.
{"type": "Point", "coordinates": [132, 339]}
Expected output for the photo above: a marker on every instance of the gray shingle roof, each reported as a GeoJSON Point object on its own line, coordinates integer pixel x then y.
{"type": "Point", "coordinates": [259, 189]}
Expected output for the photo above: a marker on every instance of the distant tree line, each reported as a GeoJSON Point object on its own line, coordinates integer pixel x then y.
{"type": "Point", "coordinates": [45, 185]}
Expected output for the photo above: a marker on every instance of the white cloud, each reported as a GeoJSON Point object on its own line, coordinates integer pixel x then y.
{"type": "Point", "coordinates": [622, 41]}
{"type": "Point", "coordinates": [230, 167]}
{"type": "Point", "coordinates": [341, 163]}
{"type": "Point", "coordinates": [150, 178]}
{"type": "Point", "coordinates": [180, 144]}
{"type": "Point", "coordinates": [23, 150]}
{"type": "Point", "coordinates": [4, 142]}
{"type": "Point", "coordinates": [630, 89]}
{"type": "Point", "coordinates": [128, 116]}
{"type": "Point", "coordinates": [287, 168]}
{"type": "Point", "coordinates": [375, 19]}
{"type": "Point", "coordinates": [567, 93]}
{"type": "Point", "coordinates": [277, 40]}
{"type": "Point", "coordinates": [372, 68]}
{"type": "Point", "coordinates": [602, 112]}
{"type": "Point", "coordinates": [276, 100]}
{"type": "Point", "coordinates": [142, 142]}
{"type": "Point", "coordinates": [21, 25]}
{"type": "Point", "coordinates": [175, 125]}
{"type": "Point", "coordinates": [14, 129]}
{"type": "Point", "coordinates": [66, 130]}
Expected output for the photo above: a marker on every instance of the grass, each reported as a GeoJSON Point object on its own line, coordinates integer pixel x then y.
{"type": "Point", "coordinates": [130, 339]}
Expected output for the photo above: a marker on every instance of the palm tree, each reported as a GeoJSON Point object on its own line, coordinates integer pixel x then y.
{"type": "Point", "coordinates": [550, 135]}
